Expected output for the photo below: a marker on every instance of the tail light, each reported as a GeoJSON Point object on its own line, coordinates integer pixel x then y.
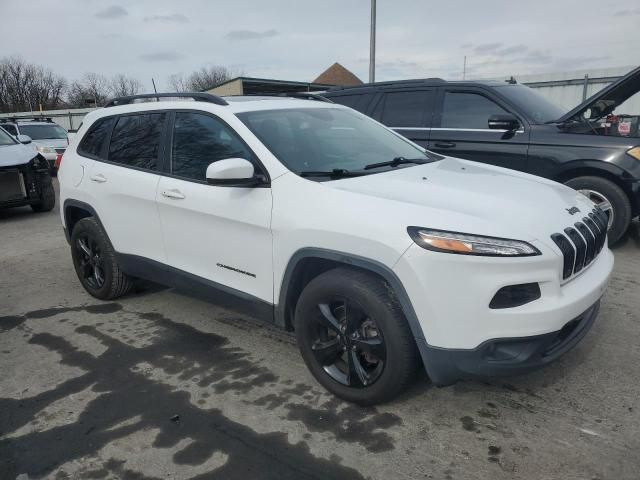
{"type": "Point", "coordinates": [58, 160]}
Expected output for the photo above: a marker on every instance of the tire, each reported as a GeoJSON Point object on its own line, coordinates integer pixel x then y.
{"type": "Point", "coordinates": [91, 251]}
{"type": "Point", "coordinates": [598, 188]}
{"type": "Point", "coordinates": [47, 198]}
{"type": "Point", "coordinates": [376, 321]}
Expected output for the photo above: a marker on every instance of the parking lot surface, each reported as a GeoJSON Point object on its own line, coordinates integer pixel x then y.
{"type": "Point", "coordinates": [163, 385]}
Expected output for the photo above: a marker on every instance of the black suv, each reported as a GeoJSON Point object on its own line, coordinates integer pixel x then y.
{"type": "Point", "coordinates": [593, 148]}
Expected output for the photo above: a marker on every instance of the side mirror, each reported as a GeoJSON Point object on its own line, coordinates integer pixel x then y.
{"type": "Point", "coordinates": [24, 139]}
{"type": "Point", "coordinates": [233, 172]}
{"type": "Point", "coordinates": [504, 121]}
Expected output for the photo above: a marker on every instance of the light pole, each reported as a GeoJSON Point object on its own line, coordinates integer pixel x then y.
{"type": "Point", "coordinates": [372, 44]}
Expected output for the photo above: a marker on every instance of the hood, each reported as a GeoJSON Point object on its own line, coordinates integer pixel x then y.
{"type": "Point", "coordinates": [52, 142]}
{"type": "Point", "coordinates": [459, 194]}
{"type": "Point", "coordinates": [606, 100]}
{"type": "Point", "coordinates": [17, 154]}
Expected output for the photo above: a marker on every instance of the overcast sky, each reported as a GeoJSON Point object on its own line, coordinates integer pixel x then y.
{"type": "Point", "coordinates": [296, 40]}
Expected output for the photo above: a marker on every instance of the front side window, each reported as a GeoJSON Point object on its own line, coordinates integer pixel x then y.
{"type": "Point", "coordinates": [46, 131]}
{"type": "Point", "coordinates": [5, 138]}
{"type": "Point", "coordinates": [198, 141]}
{"type": "Point", "coordinates": [405, 109]}
{"type": "Point", "coordinates": [11, 129]}
{"type": "Point", "coordinates": [323, 139]}
{"type": "Point", "coordinates": [468, 110]}
{"type": "Point", "coordinates": [136, 139]}
{"type": "Point", "coordinates": [93, 143]}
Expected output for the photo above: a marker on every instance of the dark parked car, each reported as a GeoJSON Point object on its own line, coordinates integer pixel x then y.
{"type": "Point", "coordinates": [594, 148]}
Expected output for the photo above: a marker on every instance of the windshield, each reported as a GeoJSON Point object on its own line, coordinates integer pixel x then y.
{"type": "Point", "coordinates": [324, 139]}
{"type": "Point", "coordinates": [42, 132]}
{"type": "Point", "coordinates": [5, 138]}
{"type": "Point", "coordinates": [537, 108]}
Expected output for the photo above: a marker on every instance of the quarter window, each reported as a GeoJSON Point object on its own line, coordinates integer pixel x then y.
{"type": "Point", "coordinates": [405, 109]}
{"type": "Point", "coordinates": [92, 144]}
{"type": "Point", "coordinates": [468, 110]}
{"type": "Point", "coordinates": [198, 141]}
{"type": "Point", "coordinates": [135, 141]}
{"type": "Point", "coordinates": [10, 129]}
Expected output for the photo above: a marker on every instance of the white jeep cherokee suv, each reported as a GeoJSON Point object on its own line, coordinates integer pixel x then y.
{"type": "Point", "coordinates": [376, 252]}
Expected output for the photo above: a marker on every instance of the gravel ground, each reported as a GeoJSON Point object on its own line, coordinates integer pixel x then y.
{"type": "Point", "coordinates": [163, 385]}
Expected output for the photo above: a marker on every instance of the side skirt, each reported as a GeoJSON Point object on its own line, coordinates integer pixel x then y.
{"type": "Point", "coordinates": [193, 285]}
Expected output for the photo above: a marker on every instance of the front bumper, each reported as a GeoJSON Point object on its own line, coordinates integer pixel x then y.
{"type": "Point", "coordinates": [507, 356]}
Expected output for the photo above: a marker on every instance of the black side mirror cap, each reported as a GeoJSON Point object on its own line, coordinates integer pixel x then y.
{"type": "Point", "coordinates": [504, 121]}
{"type": "Point", "coordinates": [256, 181]}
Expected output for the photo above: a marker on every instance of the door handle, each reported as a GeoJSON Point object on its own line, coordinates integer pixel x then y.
{"type": "Point", "coordinates": [173, 194]}
{"type": "Point", "coordinates": [99, 178]}
{"type": "Point", "coordinates": [445, 144]}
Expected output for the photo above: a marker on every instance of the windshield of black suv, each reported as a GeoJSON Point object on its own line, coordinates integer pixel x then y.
{"type": "Point", "coordinates": [328, 139]}
{"type": "Point", "coordinates": [535, 106]}
{"type": "Point", "coordinates": [6, 139]}
{"type": "Point", "coordinates": [43, 132]}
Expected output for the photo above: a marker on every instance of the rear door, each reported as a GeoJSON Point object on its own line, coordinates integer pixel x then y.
{"type": "Point", "coordinates": [219, 233]}
{"type": "Point", "coordinates": [460, 129]}
{"type": "Point", "coordinates": [124, 184]}
{"type": "Point", "coordinates": [407, 111]}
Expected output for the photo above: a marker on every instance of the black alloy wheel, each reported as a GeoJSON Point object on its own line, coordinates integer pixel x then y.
{"type": "Point", "coordinates": [90, 261]}
{"type": "Point", "coordinates": [347, 343]}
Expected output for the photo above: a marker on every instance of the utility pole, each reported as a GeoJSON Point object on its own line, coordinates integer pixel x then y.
{"type": "Point", "coordinates": [464, 68]}
{"type": "Point", "coordinates": [372, 44]}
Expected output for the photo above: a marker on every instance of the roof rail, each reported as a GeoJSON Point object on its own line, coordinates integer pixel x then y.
{"type": "Point", "coordinates": [305, 96]}
{"type": "Point", "coordinates": [399, 83]}
{"type": "Point", "coordinates": [197, 96]}
{"type": "Point", "coordinates": [25, 119]}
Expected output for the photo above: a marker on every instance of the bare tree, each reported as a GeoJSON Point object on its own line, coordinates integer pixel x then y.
{"type": "Point", "coordinates": [121, 85]}
{"type": "Point", "coordinates": [27, 87]}
{"type": "Point", "coordinates": [91, 90]}
{"type": "Point", "coordinates": [200, 80]}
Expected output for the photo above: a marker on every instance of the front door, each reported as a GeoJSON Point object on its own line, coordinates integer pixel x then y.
{"type": "Point", "coordinates": [461, 130]}
{"type": "Point", "coordinates": [221, 234]}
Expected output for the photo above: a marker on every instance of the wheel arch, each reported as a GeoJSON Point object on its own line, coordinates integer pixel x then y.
{"type": "Point", "coordinates": [596, 168]}
{"type": "Point", "coordinates": [308, 263]}
{"type": "Point", "coordinates": [74, 211]}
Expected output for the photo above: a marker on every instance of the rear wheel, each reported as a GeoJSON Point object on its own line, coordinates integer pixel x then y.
{"type": "Point", "coordinates": [47, 198]}
{"type": "Point", "coordinates": [95, 262]}
{"type": "Point", "coordinates": [353, 336]}
{"type": "Point", "coordinates": [610, 198]}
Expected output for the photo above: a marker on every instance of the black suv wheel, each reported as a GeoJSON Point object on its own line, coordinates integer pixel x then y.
{"type": "Point", "coordinates": [95, 262]}
{"type": "Point", "coordinates": [610, 198]}
{"type": "Point", "coordinates": [353, 336]}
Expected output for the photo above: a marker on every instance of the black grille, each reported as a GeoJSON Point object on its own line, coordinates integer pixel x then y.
{"type": "Point", "coordinates": [60, 150]}
{"type": "Point", "coordinates": [582, 244]}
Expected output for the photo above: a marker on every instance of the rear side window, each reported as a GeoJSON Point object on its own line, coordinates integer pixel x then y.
{"type": "Point", "coordinates": [468, 110]}
{"type": "Point", "coordinates": [405, 109]}
{"type": "Point", "coordinates": [94, 141]}
{"type": "Point", "coordinates": [199, 140]}
{"type": "Point", "coordinates": [357, 102]}
{"type": "Point", "coordinates": [136, 139]}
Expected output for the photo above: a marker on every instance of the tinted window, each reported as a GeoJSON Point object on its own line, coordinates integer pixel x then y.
{"type": "Point", "coordinates": [347, 100]}
{"type": "Point", "coordinates": [44, 132]}
{"type": "Point", "coordinates": [93, 142]}
{"type": "Point", "coordinates": [10, 128]}
{"type": "Point", "coordinates": [136, 139]}
{"type": "Point", "coordinates": [5, 138]}
{"type": "Point", "coordinates": [199, 140]}
{"type": "Point", "coordinates": [468, 110]}
{"type": "Point", "coordinates": [538, 108]}
{"type": "Point", "coordinates": [405, 109]}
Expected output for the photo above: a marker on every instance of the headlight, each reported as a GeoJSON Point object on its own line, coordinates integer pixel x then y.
{"type": "Point", "coordinates": [466, 244]}
{"type": "Point", "coordinates": [634, 152]}
{"type": "Point", "coordinates": [42, 149]}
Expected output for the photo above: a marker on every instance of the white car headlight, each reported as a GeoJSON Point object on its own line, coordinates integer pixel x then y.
{"type": "Point", "coordinates": [467, 244]}
{"type": "Point", "coordinates": [42, 149]}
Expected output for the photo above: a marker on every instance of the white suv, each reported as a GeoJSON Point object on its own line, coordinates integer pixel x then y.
{"type": "Point", "coordinates": [376, 252]}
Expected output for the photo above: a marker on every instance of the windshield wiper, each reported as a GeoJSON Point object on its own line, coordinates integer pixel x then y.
{"type": "Point", "coordinates": [335, 173]}
{"type": "Point", "coordinates": [395, 162]}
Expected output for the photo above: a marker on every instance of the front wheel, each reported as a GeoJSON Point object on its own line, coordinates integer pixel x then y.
{"type": "Point", "coordinates": [610, 198]}
{"type": "Point", "coordinates": [353, 336]}
{"type": "Point", "coordinates": [47, 198]}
